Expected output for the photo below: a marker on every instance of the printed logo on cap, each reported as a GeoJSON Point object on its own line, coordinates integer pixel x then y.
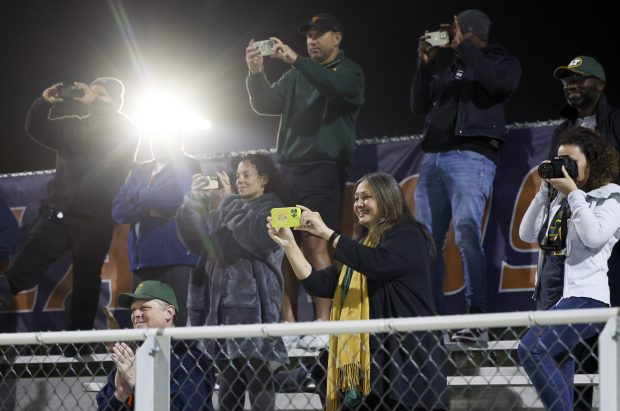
{"type": "Point", "coordinates": [576, 62]}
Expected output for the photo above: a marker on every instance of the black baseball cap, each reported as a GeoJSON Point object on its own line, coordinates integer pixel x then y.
{"type": "Point", "coordinates": [323, 21]}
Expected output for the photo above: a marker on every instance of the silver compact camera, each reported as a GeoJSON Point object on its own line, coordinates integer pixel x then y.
{"type": "Point", "coordinates": [437, 38]}
{"type": "Point", "coordinates": [265, 47]}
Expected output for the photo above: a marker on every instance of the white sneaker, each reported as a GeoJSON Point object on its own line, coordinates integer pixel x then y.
{"type": "Point", "coordinates": [313, 342]}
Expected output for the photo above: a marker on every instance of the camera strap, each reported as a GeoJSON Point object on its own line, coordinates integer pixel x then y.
{"type": "Point", "coordinates": [552, 235]}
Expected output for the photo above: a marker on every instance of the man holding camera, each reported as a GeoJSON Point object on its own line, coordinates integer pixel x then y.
{"type": "Point", "coordinates": [318, 100]}
{"type": "Point", "coordinates": [464, 104]}
{"type": "Point", "coordinates": [95, 150]}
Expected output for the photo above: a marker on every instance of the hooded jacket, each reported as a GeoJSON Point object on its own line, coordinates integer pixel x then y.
{"type": "Point", "coordinates": [592, 232]}
{"type": "Point", "coordinates": [242, 281]}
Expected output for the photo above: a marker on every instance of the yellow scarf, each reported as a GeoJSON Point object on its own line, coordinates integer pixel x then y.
{"type": "Point", "coordinates": [348, 365]}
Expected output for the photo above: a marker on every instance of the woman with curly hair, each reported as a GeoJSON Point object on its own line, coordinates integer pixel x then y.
{"type": "Point", "coordinates": [576, 221]}
{"type": "Point", "coordinates": [241, 282]}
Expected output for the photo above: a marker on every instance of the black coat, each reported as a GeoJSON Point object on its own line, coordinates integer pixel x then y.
{"type": "Point", "coordinates": [489, 77]}
{"type": "Point", "coordinates": [406, 367]}
{"type": "Point", "coordinates": [607, 123]}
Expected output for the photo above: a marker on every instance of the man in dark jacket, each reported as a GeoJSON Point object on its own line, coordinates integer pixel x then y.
{"type": "Point", "coordinates": [95, 150]}
{"type": "Point", "coordinates": [154, 305]}
{"type": "Point", "coordinates": [318, 101]}
{"type": "Point", "coordinates": [148, 201]}
{"type": "Point", "coordinates": [583, 81]}
{"type": "Point", "coordinates": [464, 104]}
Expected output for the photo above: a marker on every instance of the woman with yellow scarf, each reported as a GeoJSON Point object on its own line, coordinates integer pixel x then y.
{"type": "Point", "coordinates": [385, 274]}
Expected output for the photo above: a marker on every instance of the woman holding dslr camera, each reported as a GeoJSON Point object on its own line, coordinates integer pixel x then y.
{"type": "Point", "coordinates": [386, 274]}
{"type": "Point", "coordinates": [241, 282]}
{"type": "Point", "coordinates": [576, 222]}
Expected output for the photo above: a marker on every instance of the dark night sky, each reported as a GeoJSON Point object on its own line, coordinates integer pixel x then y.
{"type": "Point", "coordinates": [197, 47]}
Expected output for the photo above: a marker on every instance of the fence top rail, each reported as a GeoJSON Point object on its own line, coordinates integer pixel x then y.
{"type": "Point", "coordinates": [361, 142]}
{"type": "Point", "coordinates": [513, 319]}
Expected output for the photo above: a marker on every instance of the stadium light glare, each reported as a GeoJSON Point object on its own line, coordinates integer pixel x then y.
{"type": "Point", "coordinates": [159, 111]}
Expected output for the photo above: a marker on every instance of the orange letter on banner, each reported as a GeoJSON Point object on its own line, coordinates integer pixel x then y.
{"type": "Point", "coordinates": [521, 278]}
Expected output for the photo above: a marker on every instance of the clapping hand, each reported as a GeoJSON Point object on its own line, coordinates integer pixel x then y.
{"type": "Point", "coordinates": [125, 377]}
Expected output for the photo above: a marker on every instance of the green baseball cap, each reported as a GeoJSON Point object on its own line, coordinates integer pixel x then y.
{"type": "Point", "coordinates": [584, 65]}
{"type": "Point", "coordinates": [149, 290]}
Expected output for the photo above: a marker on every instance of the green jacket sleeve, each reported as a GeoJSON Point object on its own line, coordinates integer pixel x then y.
{"type": "Point", "coordinates": [342, 84]}
{"type": "Point", "coordinates": [266, 98]}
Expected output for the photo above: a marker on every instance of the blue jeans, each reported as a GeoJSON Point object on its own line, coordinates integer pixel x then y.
{"type": "Point", "coordinates": [542, 354]}
{"type": "Point", "coordinates": [454, 186]}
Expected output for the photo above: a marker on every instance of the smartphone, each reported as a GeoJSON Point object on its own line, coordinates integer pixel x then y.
{"type": "Point", "coordinates": [437, 38]}
{"type": "Point", "coordinates": [69, 91]}
{"type": "Point", "coordinates": [265, 47]}
{"type": "Point", "coordinates": [286, 217]}
{"type": "Point", "coordinates": [213, 183]}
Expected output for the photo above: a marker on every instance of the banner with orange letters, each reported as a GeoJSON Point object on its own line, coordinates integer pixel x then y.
{"type": "Point", "coordinates": [511, 263]}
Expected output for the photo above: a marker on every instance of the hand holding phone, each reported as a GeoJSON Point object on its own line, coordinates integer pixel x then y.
{"type": "Point", "coordinates": [286, 217]}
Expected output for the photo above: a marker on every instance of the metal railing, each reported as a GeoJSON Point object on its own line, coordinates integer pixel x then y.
{"type": "Point", "coordinates": [36, 365]}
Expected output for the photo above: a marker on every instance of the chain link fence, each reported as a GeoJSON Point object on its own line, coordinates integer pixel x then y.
{"type": "Point", "coordinates": [399, 364]}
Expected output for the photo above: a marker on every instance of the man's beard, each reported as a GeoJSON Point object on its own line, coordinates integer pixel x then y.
{"type": "Point", "coordinates": [583, 99]}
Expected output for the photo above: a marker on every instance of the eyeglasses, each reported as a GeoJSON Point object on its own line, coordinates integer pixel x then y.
{"type": "Point", "coordinates": [576, 79]}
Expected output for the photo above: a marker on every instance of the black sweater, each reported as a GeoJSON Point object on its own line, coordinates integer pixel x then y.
{"type": "Point", "coordinates": [397, 270]}
{"type": "Point", "coordinates": [94, 155]}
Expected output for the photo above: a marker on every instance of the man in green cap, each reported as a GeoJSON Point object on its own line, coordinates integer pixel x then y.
{"type": "Point", "coordinates": [583, 81]}
{"type": "Point", "coordinates": [154, 305]}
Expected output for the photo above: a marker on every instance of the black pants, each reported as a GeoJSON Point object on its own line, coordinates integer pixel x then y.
{"type": "Point", "coordinates": [239, 375]}
{"type": "Point", "coordinates": [87, 238]}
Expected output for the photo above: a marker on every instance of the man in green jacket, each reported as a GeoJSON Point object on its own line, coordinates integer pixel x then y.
{"type": "Point", "coordinates": [317, 100]}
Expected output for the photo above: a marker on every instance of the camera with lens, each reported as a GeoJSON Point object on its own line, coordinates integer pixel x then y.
{"type": "Point", "coordinates": [553, 169]}
{"type": "Point", "coordinates": [69, 91]}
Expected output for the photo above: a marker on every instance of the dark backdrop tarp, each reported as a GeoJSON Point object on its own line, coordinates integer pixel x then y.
{"type": "Point", "coordinates": [511, 263]}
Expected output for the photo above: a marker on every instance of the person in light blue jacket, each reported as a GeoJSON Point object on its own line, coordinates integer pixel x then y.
{"type": "Point", "coordinates": [576, 221]}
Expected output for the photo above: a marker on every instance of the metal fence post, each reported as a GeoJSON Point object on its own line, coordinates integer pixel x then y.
{"type": "Point", "coordinates": [609, 365]}
{"type": "Point", "coordinates": [153, 374]}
